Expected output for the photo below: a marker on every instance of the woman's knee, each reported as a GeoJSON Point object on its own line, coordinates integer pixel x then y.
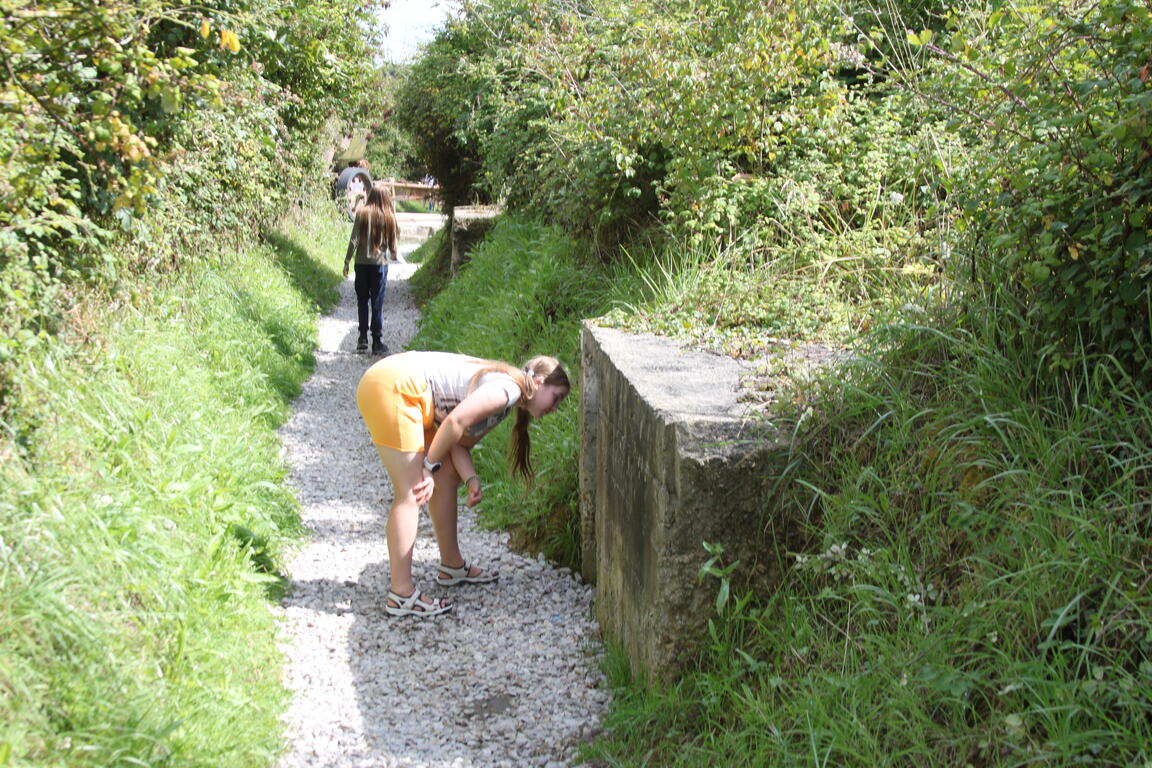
{"type": "Point", "coordinates": [404, 470]}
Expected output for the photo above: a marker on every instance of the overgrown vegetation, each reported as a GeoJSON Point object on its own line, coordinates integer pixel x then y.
{"type": "Point", "coordinates": [149, 343]}
{"type": "Point", "coordinates": [975, 587]}
{"type": "Point", "coordinates": [961, 194]}
{"type": "Point", "coordinates": [961, 191]}
{"type": "Point", "coordinates": [137, 135]}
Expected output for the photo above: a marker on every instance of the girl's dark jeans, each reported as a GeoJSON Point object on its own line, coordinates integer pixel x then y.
{"type": "Point", "coordinates": [371, 280]}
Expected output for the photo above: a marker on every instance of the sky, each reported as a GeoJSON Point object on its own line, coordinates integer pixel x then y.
{"type": "Point", "coordinates": [411, 23]}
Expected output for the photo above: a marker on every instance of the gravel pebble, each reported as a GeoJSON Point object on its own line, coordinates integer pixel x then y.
{"type": "Point", "coordinates": [509, 678]}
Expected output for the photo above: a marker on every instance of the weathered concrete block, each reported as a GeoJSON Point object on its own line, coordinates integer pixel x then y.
{"type": "Point", "coordinates": [469, 225]}
{"type": "Point", "coordinates": [669, 459]}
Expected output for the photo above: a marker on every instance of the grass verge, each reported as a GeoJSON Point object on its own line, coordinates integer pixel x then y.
{"type": "Point", "coordinates": [143, 515]}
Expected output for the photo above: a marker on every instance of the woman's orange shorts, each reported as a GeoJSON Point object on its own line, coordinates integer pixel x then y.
{"type": "Point", "coordinates": [396, 403]}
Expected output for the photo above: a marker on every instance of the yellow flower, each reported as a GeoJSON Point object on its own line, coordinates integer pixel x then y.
{"type": "Point", "coordinates": [205, 30]}
{"type": "Point", "coordinates": [229, 40]}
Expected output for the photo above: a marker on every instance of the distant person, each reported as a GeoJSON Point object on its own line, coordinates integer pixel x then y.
{"type": "Point", "coordinates": [357, 192]}
{"type": "Point", "coordinates": [374, 236]}
{"type": "Point", "coordinates": [429, 194]}
{"type": "Point", "coordinates": [425, 411]}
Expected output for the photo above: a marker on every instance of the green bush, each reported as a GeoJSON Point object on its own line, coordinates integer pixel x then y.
{"type": "Point", "coordinates": [620, 116]}
{"type": "Point", "coordinates": [137, 136]}
{"type": "Point", "coordinates": [1054, 103]}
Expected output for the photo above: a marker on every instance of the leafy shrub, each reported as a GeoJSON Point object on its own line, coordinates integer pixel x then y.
{"type": "Point", "coordinates": [135, 135]}
{"type": "Point", "coordinates": [1055, 104]}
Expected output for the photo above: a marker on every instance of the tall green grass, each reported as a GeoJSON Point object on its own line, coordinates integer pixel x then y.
{"type": "Point", "coordinates": [522, 293]}
{"type": "Point", "coordinates": [741, 301]}
{"type": "Point", "coordinates": [143, 513]}
{"type": "Point", "coordinates": [972, 588]}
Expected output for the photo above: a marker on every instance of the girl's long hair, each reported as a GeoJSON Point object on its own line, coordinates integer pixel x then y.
{"type": "Point", "coordinates": [520, 449]}
{"type": "Point", "coordinates": [376, 220]}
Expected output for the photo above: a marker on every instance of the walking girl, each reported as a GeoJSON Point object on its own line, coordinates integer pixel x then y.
{"type": "Point", "coordinates": [374, 236]}
{"type": "Point", "coordinates": [425, 411]}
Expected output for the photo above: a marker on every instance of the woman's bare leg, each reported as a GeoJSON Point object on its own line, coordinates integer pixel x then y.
{"type": "Point", "coordinates": [443, 508]}
{"type": "Point", "coordinates": [405, 470]}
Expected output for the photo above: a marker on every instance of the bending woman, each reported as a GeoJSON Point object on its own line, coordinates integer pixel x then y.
{"type": "Point", "coordinates": [425, 412]}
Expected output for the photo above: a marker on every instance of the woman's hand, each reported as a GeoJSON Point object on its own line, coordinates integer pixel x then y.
{"type": "Point", "coordinates": [475, 492]}
{"type": "Point", "coordinates": [423, 489]}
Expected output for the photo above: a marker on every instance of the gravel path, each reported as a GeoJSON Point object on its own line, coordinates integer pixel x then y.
{"type": "Point", "coordinates": [509, 678]}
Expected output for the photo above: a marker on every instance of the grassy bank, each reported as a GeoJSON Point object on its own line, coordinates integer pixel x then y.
{"type": "Point", "coordinates": [143, 515]}
{"type": "Point", "coordinates": [974, 588]}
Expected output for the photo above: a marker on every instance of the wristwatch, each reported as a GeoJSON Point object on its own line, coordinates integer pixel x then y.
{"type": "Point", "coordinates": [432, 466]}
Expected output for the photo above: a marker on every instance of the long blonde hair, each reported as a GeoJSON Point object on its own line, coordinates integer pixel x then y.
{"type": "Point", "coordinates": [376, 220]}
{"type": "Point", "coordinates": [520, 449]}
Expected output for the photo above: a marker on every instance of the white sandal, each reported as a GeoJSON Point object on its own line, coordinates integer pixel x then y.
{"type": "Point", "coordinates": [460, 576]}
{"type": "Point", "coordinates": [414, 606]}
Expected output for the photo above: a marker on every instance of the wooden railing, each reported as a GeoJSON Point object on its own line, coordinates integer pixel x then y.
{"type": "Point", "coordinates": [414, 190]}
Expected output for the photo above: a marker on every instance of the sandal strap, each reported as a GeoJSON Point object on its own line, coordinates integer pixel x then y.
{"type": "Point", "coordinates": [406, 603]}
{"type": "Point", "coordinates": [414, 604]}
{"type": "Point", "coordinates": [451, 576]}
{"type": "Point", "coordinates": [456, 573]}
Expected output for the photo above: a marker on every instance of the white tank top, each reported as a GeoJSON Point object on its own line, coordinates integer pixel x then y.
{"type": "Point", "coordinates": [448, 376]}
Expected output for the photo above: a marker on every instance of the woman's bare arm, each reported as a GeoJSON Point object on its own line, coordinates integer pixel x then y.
{"type": "Point", "coordinates": [487, 400]}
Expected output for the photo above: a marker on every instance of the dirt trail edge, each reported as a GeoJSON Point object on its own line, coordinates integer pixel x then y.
{"type": "Point", "coordinates": [510, 678]}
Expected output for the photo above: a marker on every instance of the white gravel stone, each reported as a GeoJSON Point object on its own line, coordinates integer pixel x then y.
{"type": "Point", "coordinates": [509, 678]}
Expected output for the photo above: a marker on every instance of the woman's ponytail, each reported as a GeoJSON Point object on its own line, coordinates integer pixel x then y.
{"type": "Point", "coordinates": [520, 454]}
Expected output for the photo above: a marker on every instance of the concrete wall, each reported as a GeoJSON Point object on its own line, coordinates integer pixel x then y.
{"type": "Point", "coordinates": [469, 225]}
{"type": "Point", "coordinates": [668, 460]}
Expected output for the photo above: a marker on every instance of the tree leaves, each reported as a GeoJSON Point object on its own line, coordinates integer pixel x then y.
{"type": "Point", "coordinates": [101, 102]}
